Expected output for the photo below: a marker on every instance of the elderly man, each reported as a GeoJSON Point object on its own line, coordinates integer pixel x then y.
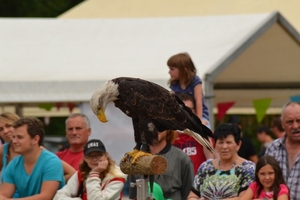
{"type": "Point", "coordinates": [77, 132]}
{"type": "Point", "coordinates": [286, 150]}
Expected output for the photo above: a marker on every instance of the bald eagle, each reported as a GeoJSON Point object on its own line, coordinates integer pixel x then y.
{"type": "Point", "coordinates": [152, 108]}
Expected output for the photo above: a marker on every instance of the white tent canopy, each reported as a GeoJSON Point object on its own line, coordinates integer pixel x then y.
{"type": "Point", "coordinates": [65, 60]}
{"type": "Point", "coordinates": [265, 64]}
{"type": "Point", "coordinates": [51, 60]}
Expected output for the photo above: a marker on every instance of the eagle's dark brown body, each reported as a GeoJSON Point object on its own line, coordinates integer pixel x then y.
{"type": "Point", "coordinates": [153, 108]}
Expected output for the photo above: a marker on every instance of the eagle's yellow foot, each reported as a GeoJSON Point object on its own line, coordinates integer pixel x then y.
{"type": "Point", "coordinates": [130, 154]}
{"type": "Point", "coordinates": [139, 154]}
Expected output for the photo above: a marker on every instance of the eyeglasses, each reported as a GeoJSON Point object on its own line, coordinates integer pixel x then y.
{"type": "Point", "coordinates": [94, 156]}
{"type": "Point", "coordinates": [291, 122]}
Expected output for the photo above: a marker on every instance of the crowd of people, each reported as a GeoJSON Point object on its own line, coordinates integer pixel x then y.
{"type": "Point", "coordinates": [85, 170]}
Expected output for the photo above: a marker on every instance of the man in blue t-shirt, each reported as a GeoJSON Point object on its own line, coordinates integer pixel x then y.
{"type": "Point", "coordinates": [36, 173]}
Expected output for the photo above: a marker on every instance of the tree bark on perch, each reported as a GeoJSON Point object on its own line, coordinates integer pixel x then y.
{"type": "Point", "coordinates": [144, 165]}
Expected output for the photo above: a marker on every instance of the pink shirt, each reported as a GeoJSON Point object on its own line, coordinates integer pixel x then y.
{"type": "Point", "coordinates": [72, 158]}
{"type": "Point", "coordinates": [254, 187]}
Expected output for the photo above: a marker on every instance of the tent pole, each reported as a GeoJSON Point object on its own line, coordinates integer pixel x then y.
{"type": "Point", "coordinates": [19, 110]}
{"type": "Point", "coordinates": [209, 99]}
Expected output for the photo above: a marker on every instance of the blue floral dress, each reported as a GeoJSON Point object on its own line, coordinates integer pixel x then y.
{"type": "Point", "coordinates": [211, 183]}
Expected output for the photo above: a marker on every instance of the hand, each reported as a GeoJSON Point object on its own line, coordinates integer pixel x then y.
{"type": "Point", "coordinates": [102, 165]}
{"type": "Point", "coordinates": [204, 122]}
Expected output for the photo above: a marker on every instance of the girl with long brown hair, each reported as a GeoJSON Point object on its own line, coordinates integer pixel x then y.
{"type": "Point", "coordinates": [269, 182]}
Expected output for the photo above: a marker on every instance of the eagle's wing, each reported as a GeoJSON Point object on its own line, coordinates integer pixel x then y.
{"type": "Point", "coordinates": [147, 100]}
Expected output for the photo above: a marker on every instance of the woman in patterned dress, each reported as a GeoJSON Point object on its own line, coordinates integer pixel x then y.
{"type": "Point", "coordinates": [228, 176]}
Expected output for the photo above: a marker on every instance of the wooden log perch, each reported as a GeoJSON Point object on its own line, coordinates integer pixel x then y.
{"type": "Point", "coordinates": [144, 165]}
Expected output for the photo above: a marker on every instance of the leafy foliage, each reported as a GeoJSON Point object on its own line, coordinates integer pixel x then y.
{"type": "Point", "coordinates": [35, 8]}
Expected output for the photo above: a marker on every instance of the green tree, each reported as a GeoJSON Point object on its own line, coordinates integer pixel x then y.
{"type": "Point", "coordinates": [35, 8]}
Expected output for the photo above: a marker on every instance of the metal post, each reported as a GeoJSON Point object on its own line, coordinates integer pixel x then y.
{"type": "Point", "coordinates": [19, 109]}
{"type": "Point", "coordinates": [142, 189]}
{"type": "Point", "coordinates": [132, 187]}
{"type": "Point", "coordinates": [209, 99]}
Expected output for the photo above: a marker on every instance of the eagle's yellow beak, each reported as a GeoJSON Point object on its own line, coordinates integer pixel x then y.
{"type": "Point", "coordinates": [101, 115]}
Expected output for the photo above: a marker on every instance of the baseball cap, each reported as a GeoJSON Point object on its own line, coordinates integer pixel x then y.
{"type": "Point", "coordinates": [94, 145]}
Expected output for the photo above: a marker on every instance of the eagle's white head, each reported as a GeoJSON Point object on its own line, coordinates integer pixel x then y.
{"type": "Point", "coordinates": [102, 96]}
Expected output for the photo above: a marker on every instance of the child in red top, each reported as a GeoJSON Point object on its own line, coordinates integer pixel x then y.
{"type": "Point", "coordinates": [269, 182]}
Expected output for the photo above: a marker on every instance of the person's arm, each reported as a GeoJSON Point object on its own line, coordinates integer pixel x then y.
{"type": "Point", "coordinates": [68, 170]}
{"type": "Point", "coordinates": [193, 196]}
{"type": "Point", "coordinates": [70, 190]}
{"type": "Point", "coordinates": [48, 190]}
{"type": "Point", "coordinates": [7, 190]}
{"type": "Point", "coordinates": [283, 197]}
{"type": "Point", "coordinates": [112, 189]}
{"type": "Point", "coordinates": [199, 103]}
{"type": "Point", "coordinates": [1, 156]}
{"type": "Point", "coordinates": [247, 195]}
{"type": "Point", "coordinates": [207, 153]}
{"type": "Point", "coordinates": [187, 177]}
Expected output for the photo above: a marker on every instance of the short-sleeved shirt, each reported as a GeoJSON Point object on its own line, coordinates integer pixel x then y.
{"type": "Point", "coordinates": [190, 90]}
{"type": "Point", "coordinates": [269, 195]}
{"type": "Point", "coordinates": [72, 158]}
{"type": "Point", "coordinates": [211, 183]}
{"type": "Point", "coordinates": [47, 168]}
{"type": "Point", "coordinates": [292, 177]}
{"type": "Point", "coordinates": [192, 148]}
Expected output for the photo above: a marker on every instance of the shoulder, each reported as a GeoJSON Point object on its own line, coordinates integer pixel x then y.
{"type": "Point", "coordinates": [207, 165]}
{"type": "Point", "coordinates": [17, 161]}
{"type": "Point", "coordinates": [247, 164]}
{"type": "Point", "coordinates": [274, 146]}
{"type": "Point", "coordinates": [253, 186]}
{"type": "Point", "coordinates": [247, 168]}
{"type": "Point", "coordinates": [177, 156]}
{"type": "Point", "coordinates": [283, 189]}
{"type": "Point", "coordinates": [48, 156]}
{"type": "Point", "coordinates": [196, 80]}
{"type": "Point", "coordinates": [61, 153]}
{"type": "Point", "coordinates": [117, 172]}
{"type": "Point", "coordinates": [178, 152]}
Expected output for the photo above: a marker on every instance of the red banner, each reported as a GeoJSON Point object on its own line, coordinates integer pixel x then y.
{"type": "Point", "coordinates": [223, 108]}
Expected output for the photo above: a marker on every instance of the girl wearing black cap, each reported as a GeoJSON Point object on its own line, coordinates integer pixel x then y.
{"type": "Point", "coordinates": [98, 177]}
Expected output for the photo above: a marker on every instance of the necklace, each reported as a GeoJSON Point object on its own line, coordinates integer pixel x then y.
{"type": "Point", "coordinates": [219, 164]}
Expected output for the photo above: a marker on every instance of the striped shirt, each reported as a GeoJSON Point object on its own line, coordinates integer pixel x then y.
{"type": "Point", "coordinates": [292, 177]}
